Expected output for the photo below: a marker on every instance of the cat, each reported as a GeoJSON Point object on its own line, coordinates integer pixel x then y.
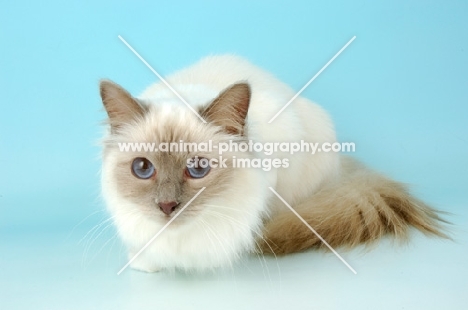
{"type": "Point", "coordinates": [235, 211]}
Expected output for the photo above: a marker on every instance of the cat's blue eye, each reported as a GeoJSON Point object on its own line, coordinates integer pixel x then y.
{"type": "Point", "coordinates": [198, 168]}
{"type": "Point", "coordinates": [142, 168]}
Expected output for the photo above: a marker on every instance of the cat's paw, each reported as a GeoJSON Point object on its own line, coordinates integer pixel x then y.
{"type": "Point", "coordinates": [142, 265]}
{"type": "Point", "coordinates": [145, 268]}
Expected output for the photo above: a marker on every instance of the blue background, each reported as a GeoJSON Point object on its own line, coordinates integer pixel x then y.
{"type": "Point", "coordinates": [399, 91]}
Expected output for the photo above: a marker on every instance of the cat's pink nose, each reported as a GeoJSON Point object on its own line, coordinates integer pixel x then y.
{"type": "Point", "coordinates": [168, 207]}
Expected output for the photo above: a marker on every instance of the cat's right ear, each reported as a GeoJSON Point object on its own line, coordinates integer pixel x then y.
{"type": "Point", "coordinates": [229, 110]}
{"type": "Point", "coordinates": [120, 106]}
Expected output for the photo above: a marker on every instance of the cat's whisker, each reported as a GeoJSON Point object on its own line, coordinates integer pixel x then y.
{"type": "Point", "coordinates": [97, 226]}
{"type": "Point", "coordinates": [89, 236]}
{"type": "Point", "coordinates": [83, 220]}
{"type": "Point", "coordinates": [93, 234]}
{"type": "Point", "coordinates": [90, 244]}
{"type": "Point", "coordinates": [201, 224]}
{"type": "Point", "coordinates": [233, 220]}
{"type": "Point", "coordinates": [113, 237]}
{"type": "Point", "coordinates": [261, 257]}
{"type": "Point", "coordinates": [220, 243]}
{"type": "Point", "coordinates": [256, 232]}
{"type": "Point", "coordinates": [237, 222]}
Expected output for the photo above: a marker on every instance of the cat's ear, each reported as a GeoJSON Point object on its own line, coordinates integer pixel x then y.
{"type": "Point", "coordinates": [121, 107]}
{"type": "Point", "coordinates": [229, 109]}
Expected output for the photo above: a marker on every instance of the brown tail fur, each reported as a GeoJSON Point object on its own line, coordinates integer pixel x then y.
{"type": "Point", "coordinates": [359, 207]}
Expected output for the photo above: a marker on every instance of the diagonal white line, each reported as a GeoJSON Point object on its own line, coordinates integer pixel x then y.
{"type": "Point", "coordinates": [312, 79]}
{"type": "Point", "coordinates": [162, 79]}
{"type": "Point", "coordinates": [313, 230]}
{"type": "Point", "coordinates": [160, 231]}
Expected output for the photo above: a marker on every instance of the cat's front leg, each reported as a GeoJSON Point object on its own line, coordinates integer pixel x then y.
{"type": "Point", "coordinates": [142, 263]}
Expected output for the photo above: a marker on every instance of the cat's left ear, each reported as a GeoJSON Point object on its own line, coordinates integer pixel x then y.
{"type": "Point", "coordinates": [121, 107]}
{"type": "Point", "coordinates": [229, 109]}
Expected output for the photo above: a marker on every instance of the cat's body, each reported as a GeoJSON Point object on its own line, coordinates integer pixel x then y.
{"type": "Point", "coordinates": [237, 212]}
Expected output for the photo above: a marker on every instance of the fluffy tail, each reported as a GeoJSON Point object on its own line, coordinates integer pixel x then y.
{"type": "Point", "coordinates": [359, 207]}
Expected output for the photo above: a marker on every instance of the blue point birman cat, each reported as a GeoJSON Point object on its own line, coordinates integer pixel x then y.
{"type": "Point", "coordinates": [237, 213]}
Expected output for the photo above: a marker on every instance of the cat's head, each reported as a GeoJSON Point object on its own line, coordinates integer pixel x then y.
{"type": "Point", "coordinates": [158, 184]}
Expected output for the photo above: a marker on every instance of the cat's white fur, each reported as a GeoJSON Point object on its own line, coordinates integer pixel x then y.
{"type": "Point", "coordinates": [191, 247]}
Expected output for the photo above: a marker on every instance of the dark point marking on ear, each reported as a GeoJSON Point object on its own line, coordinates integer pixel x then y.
{"type": "Point", "coordinates": [229, 109]}
{"type": "Point", "coordinates": [120, 106]}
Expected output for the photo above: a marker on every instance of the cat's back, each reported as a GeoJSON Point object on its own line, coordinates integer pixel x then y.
{"type": "Point", "coordinates": [220, 71]}
{"type": "Point", "coordinates": [215, 73]}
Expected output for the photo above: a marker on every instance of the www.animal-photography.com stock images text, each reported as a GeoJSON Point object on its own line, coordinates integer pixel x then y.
{"type": "Point", "coordinates": [234, 155]}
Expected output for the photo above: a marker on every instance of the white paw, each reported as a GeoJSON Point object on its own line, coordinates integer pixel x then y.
{"type": "Point", "coordinates": [141, 264]}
